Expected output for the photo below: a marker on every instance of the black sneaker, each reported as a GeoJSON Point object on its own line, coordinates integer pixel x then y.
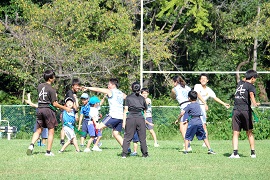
{"type": "Point", "coordinates": [62, 142]}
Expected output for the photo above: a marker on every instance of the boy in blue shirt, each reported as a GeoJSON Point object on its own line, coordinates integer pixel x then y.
{"type": "Point", "coordinates": [69, 120]}
{"type": "Point", "coordinates": [195, 126]}
{"type": "Point", "coordinates": [84, 116]}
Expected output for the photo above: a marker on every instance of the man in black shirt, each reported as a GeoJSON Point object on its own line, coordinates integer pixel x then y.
{"type": "Point", "coordinates": [242, 112]}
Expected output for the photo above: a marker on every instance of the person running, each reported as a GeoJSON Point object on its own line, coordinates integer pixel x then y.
{"type": "Point", "coordinates": [116, 98]}
{"type": "Point", "coordinates": [180, 93]}
{"type": "Point", "coordinates": [136, 106]}
{"type": "Point", "coordinates": [204, 92]}
{"type": "Point", "coordinates": [244, 97]}
{"type": "Point", "coordinates": [195, 126]}
{"type": "Point", "coordinates": [69, 119]}
{"type": "Point", "coordinates": [46, 118]}
{"type": "Point", "coordinates": [148, 115]}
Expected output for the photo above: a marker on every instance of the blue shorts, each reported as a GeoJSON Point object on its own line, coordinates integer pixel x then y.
{"type": "Point", "coordinates": [85, 126]}
{"type": "Point", "coordinates": [136, 137]}
{"type": "Point", "coordinates": [92, 131]}
{"type": "Point", "coordinates": [44, 133]}
{"type": "Point", "coordinates": [195, 129]}
{"type": "Point", "coordinates": [115, 124]}
{"type": "Point", "coordinates": [148, 126]}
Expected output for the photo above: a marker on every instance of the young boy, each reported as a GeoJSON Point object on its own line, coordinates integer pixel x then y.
{"type": "Point", "coordinates": [92, 130]}
{"type": "Point", "coordinates": [84, 116]}
{"type": "Point", "coordinates": [72, 93]}
{"type": "Point", "coordinates": [69, 119]}
{"type": "Point", "coordinates": [148, 115]}
{"type": "Point", "coordinates": [195, 124]}
{"type": "Point", "coordinates": [46, 117]}
{"type": "Point", "coordinates": [242, 112]}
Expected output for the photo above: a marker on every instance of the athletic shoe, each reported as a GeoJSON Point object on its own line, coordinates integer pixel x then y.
{"type": "Point", "coordinates": [96, 148]}
{"type": "Point", "coordinates": [42, 145]}
{"type": "Point", "coordinates": [79, 151]}
{"type": "Point", "coordinates": [203, 145]}
{"type": "Point", "coordinates": [210, 151]}
{"type": "Point", "coordinates": [134, 154]}
{"type": "Point", "coordinates": [156, 145]}
{"type": "Point", "coordinates": [60, 151]}
{"type": "Point", "coordinates": [30, 150]}
{"type": "Point", "coordinates": [82, 145]}
{"type": "Point", "coordinates": [87, 150]}
{"type": "Point", "coordinates": [185, 152]}
{"type": "Point", "coordinates": [49, 154]}
{"type": "Point", "coordinates": [124, 157]}
{"type": "Point", "coordinates": [253, 155]}
{"type": "Point", "coordinates": [234, 156]}
{"type": "Point", "coordinates": [99, 144]}
{"type": "Point", "coordinates": [129, 150]}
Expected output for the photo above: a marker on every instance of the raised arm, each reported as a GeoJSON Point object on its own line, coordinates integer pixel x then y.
{"type": "Point", "coordinates": [221, 102]}
{"type": "Point", "coordinates": [101, 90]}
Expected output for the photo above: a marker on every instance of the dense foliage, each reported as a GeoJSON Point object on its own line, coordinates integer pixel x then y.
{"type": "Point", "coordinates": [98, 39]}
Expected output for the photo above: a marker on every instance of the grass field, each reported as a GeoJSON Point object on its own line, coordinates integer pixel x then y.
{"type": "Point", "coordinates": [165, 162]}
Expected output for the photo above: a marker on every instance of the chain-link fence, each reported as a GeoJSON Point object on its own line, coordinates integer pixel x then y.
{"type": "Point", "coordinates": [23, 117]}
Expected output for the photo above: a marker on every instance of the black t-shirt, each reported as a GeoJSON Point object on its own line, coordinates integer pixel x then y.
{"type": "Point", "coordinates": [242, 97]}
{"type": "Point", "coordinates": [136, 104]}
{"type": "Point", "coordinates": [70, 94]}
{"type": "Point", "coordinates": [46, 95]}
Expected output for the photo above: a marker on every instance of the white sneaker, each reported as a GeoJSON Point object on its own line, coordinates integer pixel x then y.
{"type": "Point", "coordinates": [87, 150]}
{"type": "Point", "coordinates": [156, 145]}
{"type": "Point", "coordinates": [30, 150]}
{"type": "Point", "coordinates": [188, 150]}
{"type": "Point", "coordinates": [253, 155]}
{"type": "Point", "coordinates": [96, 148]}
{"type": "Point", "coordinates": [234, 156]}
{"type": "Point", "coordinates": [203, 145]}
{"type": "Point", "coordinates": [49, 154]}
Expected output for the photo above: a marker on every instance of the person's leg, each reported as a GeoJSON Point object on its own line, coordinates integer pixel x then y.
{"type": "Point", "coordinates": [62, 136]}
{"type": "Point", "coordinates": [130, 130]}
{"type": "Point", "coordinates": [153, 135]}
{"type": "Point", "coordinates": [36, 135]}
{"type": "Point", "coordinates": [118, 137]}
{"type": "Point", "coordinates": [251, 142]}
{"type": "Point", "coordinates": [65, 145]}
{"type": "Point", "coordinates": [75, 143]}
{"type": "Point", "coordinates": [50, 139]}
{"type": "Point", "coordinates": [141, 129]}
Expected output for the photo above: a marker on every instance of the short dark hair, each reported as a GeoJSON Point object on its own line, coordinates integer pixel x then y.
{"type": "Point", "coordinates": [114, 81]}
{"type": "Point", "coordinates": [204, 74]}
{"type": "Point", "coordinates": [144, 90]}
{"type": "Point", "coordinates": [48, 74]}
{"type": "Point", "coordinates": [192, 95]}
{"type": "Point", "coordinates": [251, 74]}
{"type": "Point", "coordinates": [76, 81]}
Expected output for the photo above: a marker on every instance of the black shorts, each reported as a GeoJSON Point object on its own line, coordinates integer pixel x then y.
{"type": "Point", "coordinates": [46, 118]}
{"type": "Point", "coordinates": [242, 120]}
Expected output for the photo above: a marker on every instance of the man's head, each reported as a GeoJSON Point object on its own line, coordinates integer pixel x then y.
{"type": "Point", "coordinates": [192, 95]}
{"type": "Point", "coordinates": [76, 85]}
{"type": "Point", "coordinates": [69, 102]}
{"type": "Point", "coordinates": [48, 74]}
{"type": "Point", "coordinates": [113, 83]}
{"type": "Point", "coordinates": [145, 92]}
{"type": "Point", "coordinates": [204, 79]}
{"type": "Point", "coordinates": [251, 75]}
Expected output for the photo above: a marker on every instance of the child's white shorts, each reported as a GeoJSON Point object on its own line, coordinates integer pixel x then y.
{"type": "Point", "coordinates": [70, 133]}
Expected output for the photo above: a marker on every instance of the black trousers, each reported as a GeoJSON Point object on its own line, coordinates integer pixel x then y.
{"type": "Point", "coordinates": [133, 124]}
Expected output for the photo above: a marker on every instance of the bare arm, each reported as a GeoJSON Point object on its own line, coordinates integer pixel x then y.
{"type": "Point", "coordinates": [203, 101]}
{"type": "Point", "coordinates": [28, 101]}
{"type": "Point", "coordinates": [173, 95]}
{"type": "Point", "coordinates": [125, 117]}
{"type": "Point", "coordinates": [221, 102]}
{"type": "Point", "coordinates": [101, 90]}
{"type": "Point", "coordinates": [253, 101]}
{"type": "Point", "coordinates": [80, 121]}
{"type": "Point", "coordinates": [179, 117]}
{"type": "Point", "coordinates": [57, 105]}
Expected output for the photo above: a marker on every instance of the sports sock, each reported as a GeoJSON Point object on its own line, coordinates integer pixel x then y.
{"type": "Point", "coordinates": [32, 144]}
{"type": "Point", "coordinates": [235, 152]}
{"type": "Point", "coordinates": [48, 152]}
{"type": "Point", "coordinates": [252, 152]}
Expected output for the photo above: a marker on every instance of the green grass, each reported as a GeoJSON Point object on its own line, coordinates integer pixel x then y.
{"type": "Point", "coordinates": [165, 162]}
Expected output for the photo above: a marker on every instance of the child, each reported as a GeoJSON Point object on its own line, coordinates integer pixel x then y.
{"type": "Point", "coordinates": [242, 112]}
{"type": "Point", "coordinates": [69, 119]}
{"type": "Point", "coordinates": [84, 116]}
{"type": "Point", "coordinates": [195, 124]}
{"type": "Point", "coordinates": [148, 115]}
{"type": "Point", "coordinates": [92, 130]}
{"type": "Point", "coordinates": [46, 117]}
